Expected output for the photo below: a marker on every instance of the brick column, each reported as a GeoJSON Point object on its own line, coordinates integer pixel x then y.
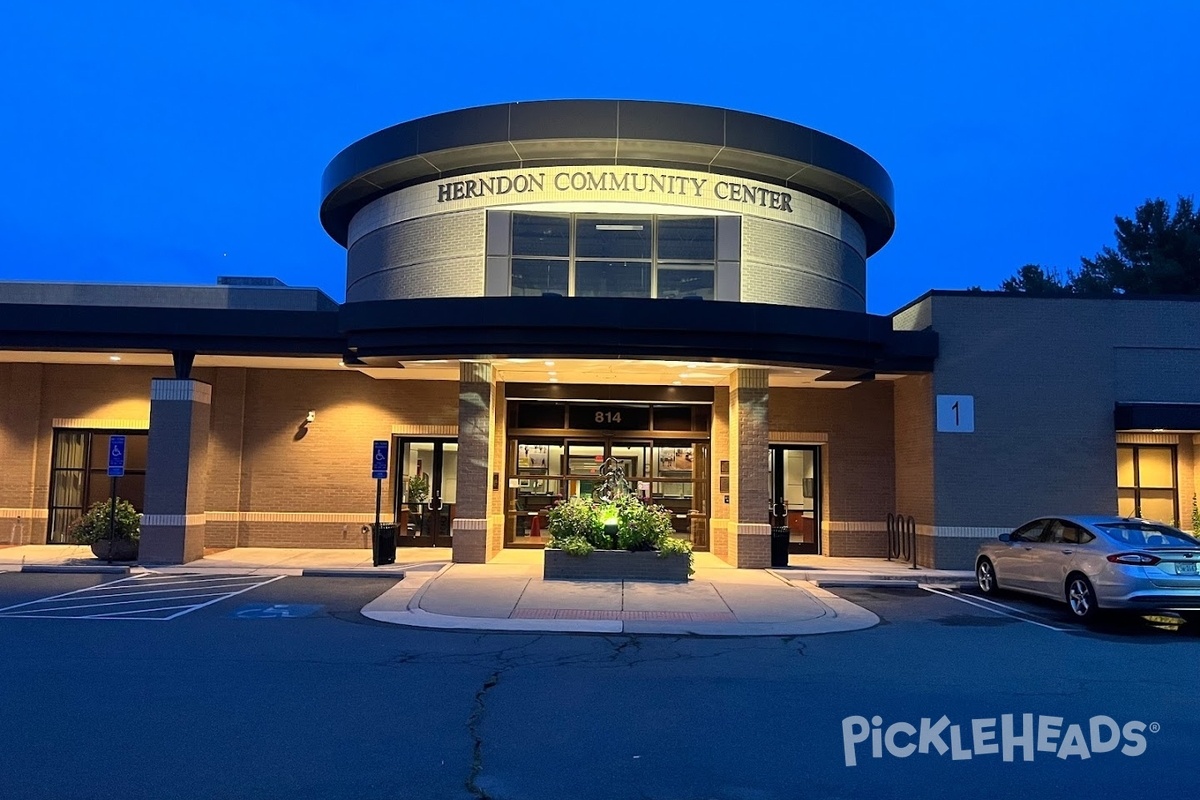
{"type": "Point", "coordinates": [23, 512]}
{"type": "Point", "coordinates": [176, 472]}
{"type": "Point", "coordinates": [749, 536]}
{"type": "Point", "coordinates": [476, 399]}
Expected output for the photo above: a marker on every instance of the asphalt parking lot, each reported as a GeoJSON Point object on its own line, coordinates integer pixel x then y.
{"type": "Point", "coordinates": [969, 608]}
{"type": "Point", "coordinates": [285, 689]}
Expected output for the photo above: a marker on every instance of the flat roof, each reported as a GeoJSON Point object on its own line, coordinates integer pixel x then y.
{"type": "Point", "coordinates": [608, 132]}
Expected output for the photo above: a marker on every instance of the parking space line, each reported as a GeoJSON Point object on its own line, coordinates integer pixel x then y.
{"type": "Point", "coordinates": [128, 614]}
{"type": "Point", "coordinates": [79, 604]}
{"type": "Point", "coordinates": [1014, 615]}
{"type": "Point", "coordinates": [140, 583]}
{"type": "Point", "coordinates": [113, 603]}
{"type": "Point", "coordinates": [204, 588]}
{"type": "Point", "coordinates": [235, 594]}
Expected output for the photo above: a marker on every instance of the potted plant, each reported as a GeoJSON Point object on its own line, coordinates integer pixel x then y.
{"type": "Point", "coordinates": [118, 544]}
{"type": "Point", "coordinates": [418, 490]}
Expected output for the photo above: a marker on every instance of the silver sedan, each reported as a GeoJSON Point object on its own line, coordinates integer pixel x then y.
{"type": "Point", "coordinates": [1094, 563]}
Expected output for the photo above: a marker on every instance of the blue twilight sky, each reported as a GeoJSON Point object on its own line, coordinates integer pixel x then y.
{"type": "Point", "coordinates": [170, 141]}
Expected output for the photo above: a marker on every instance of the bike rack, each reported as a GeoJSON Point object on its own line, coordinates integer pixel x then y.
{"type": "Point", "coordinates": [902, 538]}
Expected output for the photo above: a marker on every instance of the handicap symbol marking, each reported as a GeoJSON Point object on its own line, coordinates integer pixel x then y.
{"type": "Point", "coordinates": [379, 458]}
{"type": "Point", "coordinates": [275, 611]}
{"type": "Point", "coordinates": [116, 456]}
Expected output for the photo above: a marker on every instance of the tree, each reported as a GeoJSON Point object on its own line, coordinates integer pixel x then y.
{"type": "Point", "coordinates": [1157, 252]}
{"type": "Point", "coordinates": [1036, 280]}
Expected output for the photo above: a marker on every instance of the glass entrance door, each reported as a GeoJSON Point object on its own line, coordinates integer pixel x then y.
{"type": "Point", "coordinates": [796, 495]}
{"type": "Point", "coordinates": [541, 472]}
{"type": "Point", "coordinates": [426, 492]}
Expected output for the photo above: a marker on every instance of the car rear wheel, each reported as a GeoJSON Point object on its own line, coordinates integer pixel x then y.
{"type": "Point", "coordinates": [1081, 598]}
{"type": "Point", "coordinates": [985, 576]}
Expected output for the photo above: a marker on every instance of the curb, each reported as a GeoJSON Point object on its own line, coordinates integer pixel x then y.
{"type": "Point", "coordinates": [333, 572]}
{"type": "Point", "coordinates": [864, 583]}
{"type": "Point", "coordinates": [401, 606]}
{"type": "Point", "coordinates": [81, 569]}
{"type": "Point", "coordinates": [886, 583]}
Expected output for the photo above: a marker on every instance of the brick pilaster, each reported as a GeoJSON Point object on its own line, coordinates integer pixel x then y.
{"type": "Point", "coordinates": [476, 400]}
{"type": "Point", "coordinates": [176, 472]}
{"type": "Point", "coordinates": [749, 532]}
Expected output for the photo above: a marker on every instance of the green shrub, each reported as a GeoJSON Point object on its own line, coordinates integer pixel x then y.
{"type": "Point", "coordinates": [577, 527]}
{"type": "Point", "coordinates": [578, 518]}
{"type": "Point", "coordinates": [575, 546]}
{"type": "Point", "coordinates": [93, 526]}
{"type": "Point", "coordinates": [641, 527]}
{"type": "Point", "coordinates": [672, 546]}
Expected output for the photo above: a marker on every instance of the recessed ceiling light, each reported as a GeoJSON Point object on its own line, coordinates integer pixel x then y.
{"type": "Point", "coordinates": [552, 373]}
{"type": "Point", "coordinates": [549, 363]}
{"type": "Point", "coordinates": [341, 363]}
{"type": "Point", "coordinates": [554, 380]}
{"type": "Point", "coordinates": [676, 383]}
{"type": "Point", "coordinates": [114, 358]}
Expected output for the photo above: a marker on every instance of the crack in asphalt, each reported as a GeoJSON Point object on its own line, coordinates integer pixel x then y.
{"type": "Point", "coordinates": [473, 723]}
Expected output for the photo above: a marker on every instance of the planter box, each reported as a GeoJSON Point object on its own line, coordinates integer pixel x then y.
{"type": "Point", "coordinates": [115, 550]}
{"type": "Point", "coordinates": [615, 565]}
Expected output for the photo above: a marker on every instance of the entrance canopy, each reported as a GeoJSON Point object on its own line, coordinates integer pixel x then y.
{"type": "Point", "coordinates": [1157, 416]}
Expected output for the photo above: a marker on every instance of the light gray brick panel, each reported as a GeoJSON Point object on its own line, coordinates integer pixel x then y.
{"type": "Point", "coordinates": [1150, 373]}
{"type": "Point", "coordinates": [437, 256]}
{"type": "Point", "coordinates": [1046, 374]}
{"type": "Point", "coordinates": [796, 266]}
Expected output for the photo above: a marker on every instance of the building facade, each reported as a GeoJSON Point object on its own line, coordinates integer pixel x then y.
{"type": "Point", "coordinates": [533, 288]}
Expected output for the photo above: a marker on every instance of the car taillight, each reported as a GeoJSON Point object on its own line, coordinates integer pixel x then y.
{"type": "Point", "coordinates": [1140, 559]}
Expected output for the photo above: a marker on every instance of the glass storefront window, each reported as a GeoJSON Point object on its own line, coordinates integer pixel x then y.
{"type": "Point", "coordinates": [687, 238]}
{"type": "Point", "coordinates": [585, 255]}
{"type": "Point", "coordinates": [533, 277]}
{"type": "Point", "coordinates": [680, 283]}
{"type": "Point", "coordinates": [541, 235]}
{"type": "Point", "coordinates": [612, 279]}
{"type": "Point", "coordinates": [1146, 482]}
{"type": "Point", "coordinates": [616, 238]}
{"type": "Point", "coordinates": [79, 476]}
{"type": "Point", "coordinates": [541, 472]}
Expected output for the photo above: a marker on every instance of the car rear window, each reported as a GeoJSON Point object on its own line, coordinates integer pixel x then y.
{"type": "Point", "coordinates": [1148, 534]}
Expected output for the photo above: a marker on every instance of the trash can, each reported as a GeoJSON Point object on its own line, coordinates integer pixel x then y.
{"type": "Point", "coordinates": [383, 544]}
{"type": "Point", "coordinates": [780, 536]}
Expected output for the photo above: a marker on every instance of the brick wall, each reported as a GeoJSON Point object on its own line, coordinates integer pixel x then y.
{"type": "Point", "coordinates": [1045, 374]}
{"type": "Point", "coordinates": [22, 512]}
{"type": "Point", "coordinates": [437, 256]}
{"type": "Point", "coordinates": [323, 468]}
{"type": "Point", "coordinates": [792, 265]}
{"type": "Point", "coordinates": [914, 426]}
{"type": "Point", "coordinates": [857, 460]}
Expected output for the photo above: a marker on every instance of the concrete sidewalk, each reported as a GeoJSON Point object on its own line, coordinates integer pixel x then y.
{"type": "Point", "coordinates": [874, 572]}
{"type": "Point", "coordinates": [510, 595]}
{"type": "Point", "coordinates": [239, 560]}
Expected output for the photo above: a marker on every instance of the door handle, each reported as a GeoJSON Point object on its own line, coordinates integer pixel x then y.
{"type": "Point", "coordinates": [1067, 552]}
{"type": "Point", "coordinates": [1027, 547]}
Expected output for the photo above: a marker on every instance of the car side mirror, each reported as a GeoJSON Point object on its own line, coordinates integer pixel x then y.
{"type": "Point", "coordinates": [1006, 537]}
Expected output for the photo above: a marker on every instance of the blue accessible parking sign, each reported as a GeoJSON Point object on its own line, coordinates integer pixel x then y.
{"type": "Point", "coordinates": [116, 456]}
{"type": "Point", "coordinates": [379, 459]}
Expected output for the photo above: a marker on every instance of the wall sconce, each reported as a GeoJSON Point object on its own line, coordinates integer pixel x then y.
{"type": "Point", "coordinates": [302, 428]}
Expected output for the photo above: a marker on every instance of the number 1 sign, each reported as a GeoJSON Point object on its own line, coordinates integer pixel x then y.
{"type": "Point", "coordinates": [956, 413]}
